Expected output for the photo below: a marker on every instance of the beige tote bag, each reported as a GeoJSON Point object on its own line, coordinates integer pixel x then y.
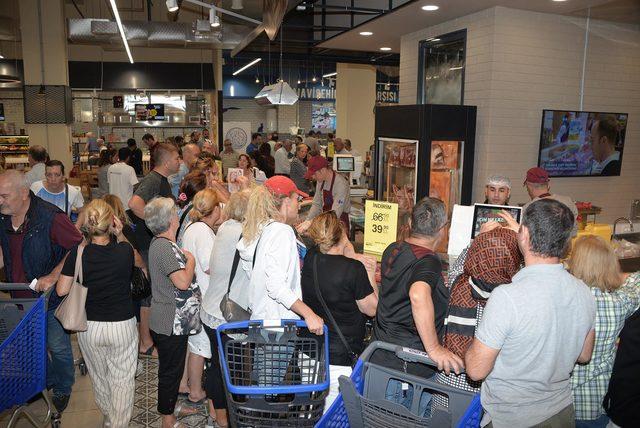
{"type": "Point", "coordinates": [72, 313]}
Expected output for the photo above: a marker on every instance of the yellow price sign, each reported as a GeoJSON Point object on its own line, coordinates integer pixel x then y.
{"type": "Point", "coordinates": [380, 226]}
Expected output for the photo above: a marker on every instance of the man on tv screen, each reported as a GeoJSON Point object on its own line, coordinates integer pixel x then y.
{"type": "Point", "coordinates": [604, 133]}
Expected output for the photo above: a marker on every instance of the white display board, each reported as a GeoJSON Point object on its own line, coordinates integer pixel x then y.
{"type": "Point", "coordinates": [239, 133]}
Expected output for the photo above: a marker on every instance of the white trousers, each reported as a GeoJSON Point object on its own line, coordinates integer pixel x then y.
{"type": "Point", "coordinates": [110, 351]}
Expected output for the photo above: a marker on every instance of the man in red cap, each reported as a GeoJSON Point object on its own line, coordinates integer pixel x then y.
{"type": "Point", "coordinates": [537, 184]}
{"type": "Point", "coordinates": [332, 193]}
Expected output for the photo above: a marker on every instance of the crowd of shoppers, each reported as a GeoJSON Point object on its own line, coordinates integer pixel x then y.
{"type": "Point", "coordinates": [535, 338]}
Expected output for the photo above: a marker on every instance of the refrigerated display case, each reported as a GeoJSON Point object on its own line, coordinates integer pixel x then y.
{"type": "Point", "coordinates": [424, 150]}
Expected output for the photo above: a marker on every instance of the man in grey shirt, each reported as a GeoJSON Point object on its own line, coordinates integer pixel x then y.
{"type": "Point", "coordinates": [37, 157]}
{"type": "Point", "coordinates": [534, 329]}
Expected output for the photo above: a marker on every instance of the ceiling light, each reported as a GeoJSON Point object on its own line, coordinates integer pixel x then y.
{"type": "Point", "coordinates": [301, 8]}
{"type": "Point", "coordinates": [314, 79]}
{"type": "Point", "coordinates": [240, 70]}
{"type": "Point", "coordinates": [237, 4]}
{"type": "Point", "coordinates": [299, 81]}
{"type": "Point", "coordinates": [434, 39]}
{"type": "Point", "coordinates": [559, 0]}
{"type": "Point", "coordinates": [232, 91]}
{"type": "Point", "coordinates": [257, 80]}
{"type": "Point", "coordinates": [330, 74]}
{"type": "Point", "coordinates": [456, 68]}
{"type": "Point", "coordinates": [121, 29]}
{"type": "Point", "coordinates": [385, 48]}
{"type": "Point", "coordinates": [430, 7]}
{"type": "Point", "coordinates": [1, 56]}
{"type": "Point", "coordinates": [213, 18]}
{"type": "Point", "coordinates": [366, 33]}
{"type": "Point", "coordinates": [172, 5]}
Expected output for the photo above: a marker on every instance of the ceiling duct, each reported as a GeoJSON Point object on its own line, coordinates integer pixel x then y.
{"type": "Point", "coordinates": [277, 94]}
{"type": "Point", "coordinates": [104, 32]}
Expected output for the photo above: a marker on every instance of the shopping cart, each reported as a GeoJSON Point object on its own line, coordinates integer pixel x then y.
{"type": "Point", "coordinates": [276, 373]}
{"type": "Point", "coordinates": [363, 401]}
{"type": "Point", "coordinates": [23, 355]}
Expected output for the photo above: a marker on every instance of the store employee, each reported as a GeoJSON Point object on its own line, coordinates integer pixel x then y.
{"type": "Point", "coordinates": [332, 193]}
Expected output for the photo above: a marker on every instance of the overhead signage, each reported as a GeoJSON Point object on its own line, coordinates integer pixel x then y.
{"type": "Point", "coordinates": [380, 226]}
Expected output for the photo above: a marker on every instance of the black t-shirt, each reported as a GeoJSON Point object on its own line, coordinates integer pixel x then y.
{"type": "Point", "coordinates": [624, 387]}
{"type": "Point", "coordinates": [402, 265]}
{"type": "Point", "coordinates": [107, 275]}
{"type": "Point", "coordinates": [151, 186]}
{"type": "Point", "coordinates": [135, 160]}
{"type": "Point", "coordinates": [342, 281]}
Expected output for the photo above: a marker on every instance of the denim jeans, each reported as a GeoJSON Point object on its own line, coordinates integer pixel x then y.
{"type": "Point", "coordinates": [61, 372]}
{"type": "Point", "coordinates": [396, 394]}
{"type": "Point", "coordinates": [601, 422]}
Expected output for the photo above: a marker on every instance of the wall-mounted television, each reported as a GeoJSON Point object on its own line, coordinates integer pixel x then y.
{"type": "Point", "coordinates": [581, 143]}
{"type": "Point", "coordinates": [149, 112]}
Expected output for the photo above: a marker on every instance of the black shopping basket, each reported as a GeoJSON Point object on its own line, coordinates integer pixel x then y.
{"type": "Point", "coordinates": [276, 373]}
{"type": "Point", "coordinates": [23, 355]}
{"type": "Point", "coordinates": [364, 399]}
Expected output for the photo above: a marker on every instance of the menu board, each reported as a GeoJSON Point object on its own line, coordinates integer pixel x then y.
{"type": "Point", "coordinates": [150, 112]}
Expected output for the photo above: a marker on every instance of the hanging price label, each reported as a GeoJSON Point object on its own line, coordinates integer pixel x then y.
{"type": "Point", "coordinates": [380, 226]}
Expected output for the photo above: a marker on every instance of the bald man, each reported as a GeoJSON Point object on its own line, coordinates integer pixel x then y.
{"type": "Point", "coordinates": [190, 153]}
{"type": "Point", "coordinates": [35, 237]}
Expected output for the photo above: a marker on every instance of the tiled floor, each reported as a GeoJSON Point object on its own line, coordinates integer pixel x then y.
{"type": "Point", "coordinates": [82, 411]}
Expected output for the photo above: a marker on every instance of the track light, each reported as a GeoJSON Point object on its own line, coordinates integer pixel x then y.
{"type": "Point", "coordinates": [116, 14]}
{"type": "Point", "coordinates": [213, 18]}
{"type": "Point", "coordinates": [314, 79]}
{"type": "Point", "coordinates": [172, 5]}
{"type": "Point", "coordinates": [240, 70]}
{"type": "Point", "coordinates": [257, 80]}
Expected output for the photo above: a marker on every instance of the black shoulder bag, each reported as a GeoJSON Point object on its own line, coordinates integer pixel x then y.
{"type": "Point", "coordinates": [183, 217]}
{"type": "Point", "coordinates": [231, 311]}
{"type": "Point", "coordinates": [352, 355]}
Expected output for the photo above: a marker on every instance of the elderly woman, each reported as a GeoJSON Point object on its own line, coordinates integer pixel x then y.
{"type": "Point", "coordinates": [109, 345]}
{"type": "Point", "coordinates": [490, 261]}
{"type": "Point", "coordinates": [229, 234]}
{"type": "Point", "coordinates": [594, 262]}
{"type": "Point", "coordinates": [175, 303]}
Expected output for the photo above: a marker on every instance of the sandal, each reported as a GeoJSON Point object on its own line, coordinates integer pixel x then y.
{"type": "Point", "coordinates": [182, 409]}
{"type": "Point", "coordinates": [148, 353]}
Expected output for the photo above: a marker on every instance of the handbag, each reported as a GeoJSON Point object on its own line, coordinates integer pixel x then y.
{"type": "Point", "coordinates": [352, 355]}
{"type": "Point", "coordinates": [231, 311]}
{"type": "Point", "coordinates": [140, 285]}
{"type": "Point", "coordinates": [72, 313]}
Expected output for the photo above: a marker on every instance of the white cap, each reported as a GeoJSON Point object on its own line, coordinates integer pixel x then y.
{"type": "Point", "coordinates": [499, 181]}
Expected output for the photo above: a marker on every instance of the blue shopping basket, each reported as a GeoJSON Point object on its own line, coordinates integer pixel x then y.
{"type": "Point", "coordinates": [361, 402]}
{"type": "Point", "coordinates": [23, 353]}
{"type": "Point", "coordinates": [276, 373]}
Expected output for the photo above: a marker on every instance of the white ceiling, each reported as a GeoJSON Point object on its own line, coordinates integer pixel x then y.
{"type": "Point", "coordinates": [389, 28]}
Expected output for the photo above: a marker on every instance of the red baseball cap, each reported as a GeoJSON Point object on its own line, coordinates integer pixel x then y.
{"type": "Point", "coordinates": [537, 175]}
{"type": "Point", "coordinates": [283, 186]}
{"type": "Point", "coordinates": [315, 164]}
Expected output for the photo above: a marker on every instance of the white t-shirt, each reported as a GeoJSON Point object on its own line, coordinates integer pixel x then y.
{"type": "Point", "coordinates": [76, 201]}
{"type": "Point", "coordinates": [283, 165]}
{"type": "Point", "coordinates": [198, 239]}
{"type": "Point", "coordinates": [121, 179]}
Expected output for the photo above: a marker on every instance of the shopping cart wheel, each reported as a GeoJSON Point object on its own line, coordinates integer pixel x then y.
{"type": "Point", "coordinates": [83, 368]}
{"type": "Point", "coordinates": [55, 420]}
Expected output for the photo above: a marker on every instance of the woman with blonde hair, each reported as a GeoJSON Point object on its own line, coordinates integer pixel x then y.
{"type": "Point", "coordinates": [594, 262]}
{"type": "Point", "coordinates": [333, 281]}
{"type": "Point", "coordinates": [220, 264]}
{"type": "Point", "coordinates": [198, 239]}
{"type": "Point", "coordinates": [110, 344]}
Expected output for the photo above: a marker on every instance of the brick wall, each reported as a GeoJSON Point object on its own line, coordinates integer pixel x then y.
{"type": "Point", "coordinates": [519, 63]}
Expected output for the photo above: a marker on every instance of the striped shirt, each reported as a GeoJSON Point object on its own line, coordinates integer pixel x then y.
{"type": "Point", "coordinates": [589, 382]}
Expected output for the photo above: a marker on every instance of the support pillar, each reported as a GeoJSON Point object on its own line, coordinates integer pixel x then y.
{"type": "Point", "coordinates": [45, 63]}
{"type": "Point", "coordinates": [355, 101]}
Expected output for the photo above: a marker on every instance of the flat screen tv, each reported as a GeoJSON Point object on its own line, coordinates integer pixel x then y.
{"type": "Point", "coordinates": [581, 143]}
{"type": "Point", "coordinates": [149, 111]}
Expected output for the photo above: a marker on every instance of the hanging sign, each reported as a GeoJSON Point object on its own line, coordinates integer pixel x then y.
{"type": "Point", "coordinates": [380, 226]}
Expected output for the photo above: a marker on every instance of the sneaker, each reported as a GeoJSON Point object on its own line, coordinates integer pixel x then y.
{"type": "Point", "coordinates": [211, 423]}
{"type": "Point", "coordinates": [61, 402]}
